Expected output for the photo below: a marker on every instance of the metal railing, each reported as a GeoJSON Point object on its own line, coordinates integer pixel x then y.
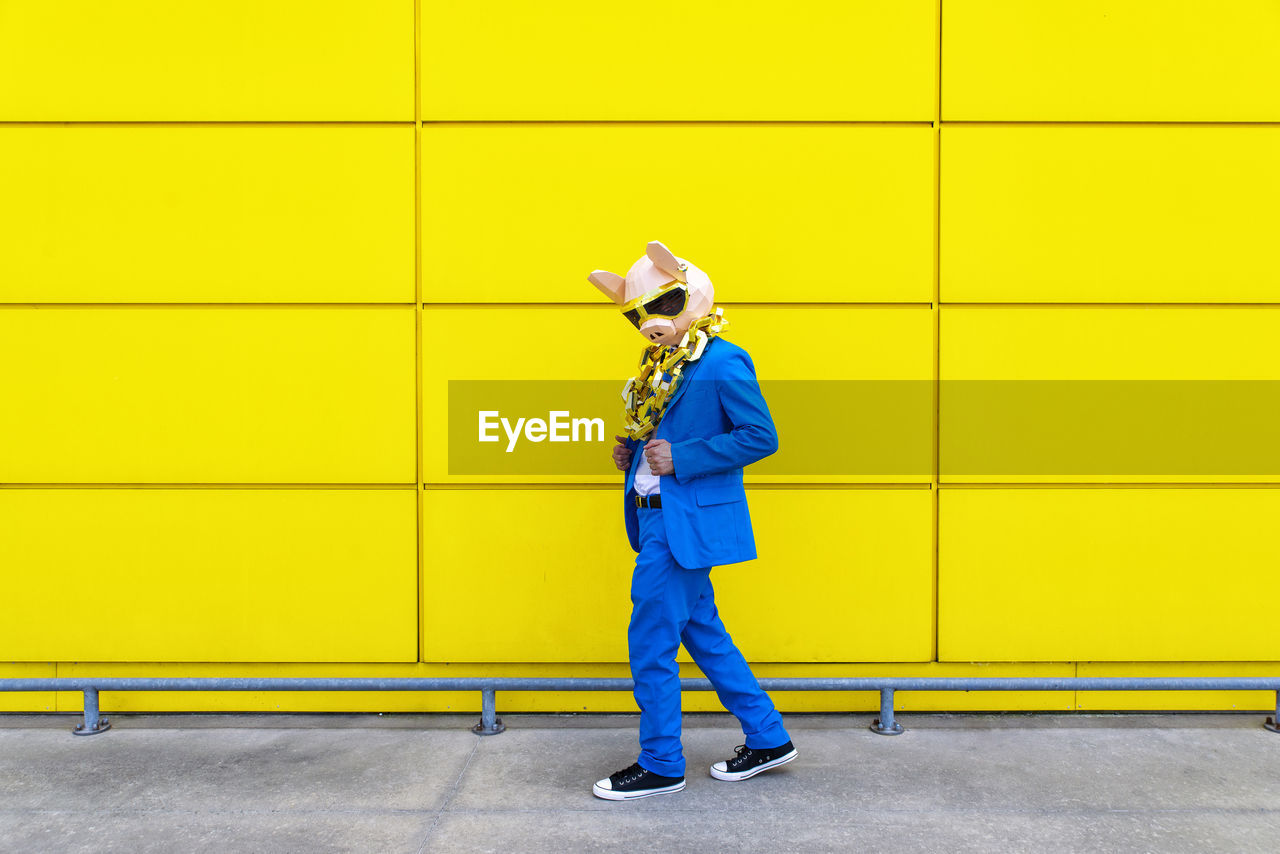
{"type": "Point", "coordinates": [491, 724]}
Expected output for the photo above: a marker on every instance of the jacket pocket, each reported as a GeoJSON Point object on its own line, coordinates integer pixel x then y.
{"type": "Point", "coordinates": [705, 495]}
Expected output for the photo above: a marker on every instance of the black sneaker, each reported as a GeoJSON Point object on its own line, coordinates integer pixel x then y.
{"type": "Point", "coordinates": [749, 762]}
{"type": "Point", "coordinates": [635, 782]}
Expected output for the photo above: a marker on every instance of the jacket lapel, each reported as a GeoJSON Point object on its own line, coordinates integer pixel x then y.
{"type": "Point", "coordinates": [690, 369]}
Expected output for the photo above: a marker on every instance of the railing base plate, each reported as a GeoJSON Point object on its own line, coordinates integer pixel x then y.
{"type": "Point", "coordinates": [103, 726]}
{"type": "Point", "coordinates": [896, 729]}
{"type": "Point", "coordinates": [498, 726]}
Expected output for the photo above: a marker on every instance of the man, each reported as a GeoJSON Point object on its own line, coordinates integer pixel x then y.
{"type": "Point", "coordinates": [695, 417]}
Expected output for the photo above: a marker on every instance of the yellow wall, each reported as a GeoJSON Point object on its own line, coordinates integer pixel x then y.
{"type": "Point", "coordinates": [244, 247]}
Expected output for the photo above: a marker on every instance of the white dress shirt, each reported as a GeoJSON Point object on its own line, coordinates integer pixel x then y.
{"type": "Point", "coordinates": [646, 481]}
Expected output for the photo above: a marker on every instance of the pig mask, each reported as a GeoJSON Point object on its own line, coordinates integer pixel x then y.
{"type": "Point", "coordinates": [662, 295]}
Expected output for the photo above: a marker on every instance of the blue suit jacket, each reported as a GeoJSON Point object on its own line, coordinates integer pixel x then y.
{"type": "Point", "coordinates": [717, 422]}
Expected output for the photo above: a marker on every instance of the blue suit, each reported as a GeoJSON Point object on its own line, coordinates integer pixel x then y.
{"type": "Point", "coordinates": [717, 422]}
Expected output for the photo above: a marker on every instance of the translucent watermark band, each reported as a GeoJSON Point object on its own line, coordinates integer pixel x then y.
{"type": "Point", "coordinates": [885, 428]}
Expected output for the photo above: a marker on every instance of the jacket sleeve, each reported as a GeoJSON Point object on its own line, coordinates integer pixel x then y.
{"type": "Point", "coordinates": [752, 436]}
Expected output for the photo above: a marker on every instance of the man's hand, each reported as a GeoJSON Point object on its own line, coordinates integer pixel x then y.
{"type": "Point", "coordinates": [621, 454]}
{"type": "Point", "coordinates": [658, 453]}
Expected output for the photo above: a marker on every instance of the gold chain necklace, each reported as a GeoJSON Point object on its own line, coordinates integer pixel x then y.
{"type": "Point", "coordinates": [646, 394]}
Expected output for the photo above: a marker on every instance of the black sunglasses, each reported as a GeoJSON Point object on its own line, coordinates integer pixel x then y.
{"type": "Point", "coordinates": [666, 304]}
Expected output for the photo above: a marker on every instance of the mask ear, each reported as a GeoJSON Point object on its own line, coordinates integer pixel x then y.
{"type": "Point", "coordinates": [666, 262]}
{"type": "Point", "coordinates": [610, 284]}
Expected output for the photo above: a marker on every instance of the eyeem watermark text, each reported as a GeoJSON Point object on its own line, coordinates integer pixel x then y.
{"type": "Point", "coordinates": [558, 427]}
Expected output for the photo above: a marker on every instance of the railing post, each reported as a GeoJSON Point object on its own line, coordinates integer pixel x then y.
{"type": "Point", "coordinates": [1273, 724]}
{"type": "Point", "coordinates": [885, 724]}
{"type": "Point", "coordinates": [93, 724]}
{"type": "Point", "coordinates": [490, 723]}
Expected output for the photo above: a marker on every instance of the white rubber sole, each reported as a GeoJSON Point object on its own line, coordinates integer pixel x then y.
{"type": "Point", "coordinates": [744, 775]}
{"type": "Point", "coordinates": [611, 795]}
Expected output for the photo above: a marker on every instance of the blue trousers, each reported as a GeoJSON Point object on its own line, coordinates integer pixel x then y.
{"type": "Point", "coordinates": [673, 605]}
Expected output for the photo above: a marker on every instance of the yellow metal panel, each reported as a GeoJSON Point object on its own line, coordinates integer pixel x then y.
{"type": "Point", "coordinates": [27, 701]}
{"type": "Point", "coordinates": [1110, 214]}
{"type": "Point", "coordinates": [883, 534]}
{"type": "Point", "coordinates": [215, 60]}
{"type": "Point", "coordinates": [1090, 574]}
{"type": "Point", "coordinates": [522, 212]}
{"type": "Point", "coordinates": [230, 395]}
{"type": "Point", "coordinates": [208, 575]}
{"type": "Point", "coordinates": [1102, 60]}
{"type": "Point", "coordinates": [812, 60]}
{"type": "Point", "coordinates": [511, 343]}
{"type": "Point", "coordinates": [1120, 343]}
{"type": "Point", "coordinates": [1206, 351]}
{"type": "Point", "coordinates": [1188, 700]}
{"type": "Point", "coordinates": [206, 214]}
{"type": "Point", "coordinates": [544, 575]}
{"type": "Point", "coordinates": [525, 575]}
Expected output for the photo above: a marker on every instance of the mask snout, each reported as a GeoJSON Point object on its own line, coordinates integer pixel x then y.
{"type": "Point", "coordinates": [659, 330]}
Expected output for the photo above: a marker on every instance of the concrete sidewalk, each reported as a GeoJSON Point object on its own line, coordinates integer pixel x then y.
{"type": "Point", "coordinates": [415, 783]}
